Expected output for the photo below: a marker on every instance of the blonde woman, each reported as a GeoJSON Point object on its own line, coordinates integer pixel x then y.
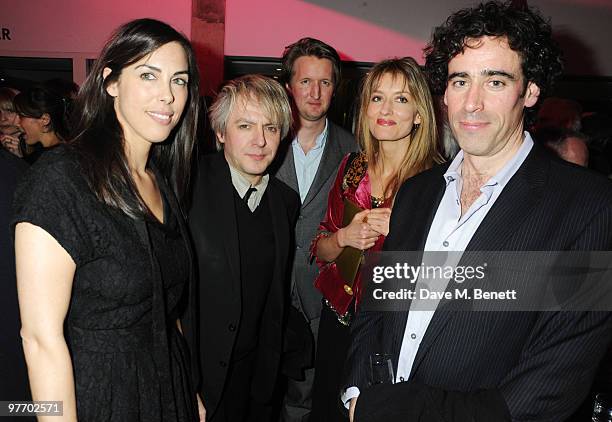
{"type": "Point", "coordinates": [397, 134]}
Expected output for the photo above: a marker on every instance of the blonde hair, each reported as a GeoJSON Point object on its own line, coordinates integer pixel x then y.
{"type": "Point", "coordinates": [266, 91]}
{"type": "Point", "coordinates": [6, 98]}
{"type": "Point", "coordinates": [422, 152]}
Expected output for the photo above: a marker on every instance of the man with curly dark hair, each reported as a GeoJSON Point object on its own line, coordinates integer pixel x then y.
{"type": "Point", "coordinates": [500, 193]}
{"type": "Point", "coordinates": [525, 32]}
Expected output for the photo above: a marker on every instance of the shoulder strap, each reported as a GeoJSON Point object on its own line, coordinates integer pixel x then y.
{"type": "Point", "coordinates": [355, 170]}
{"type": "Point", "coordinates": [349, 161]}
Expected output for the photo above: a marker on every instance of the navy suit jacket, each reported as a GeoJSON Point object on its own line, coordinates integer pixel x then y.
{"type": "Point", "coordinates": [488, 366]}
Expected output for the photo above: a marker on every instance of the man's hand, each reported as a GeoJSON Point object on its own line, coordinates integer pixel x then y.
{"type": "Point", "coordinates": [352, 408]}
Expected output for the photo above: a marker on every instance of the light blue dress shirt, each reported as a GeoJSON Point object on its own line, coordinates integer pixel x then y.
{"type": "Point", "coordinates": [306, 165]}
{"type": "Point", "coordinates": [449, 231]}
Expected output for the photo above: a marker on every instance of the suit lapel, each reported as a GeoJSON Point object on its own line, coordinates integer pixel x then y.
{"type": "Point", "coordinates": [427, 210]}
{"type": "Point", "coordinates": [515, 203]}
{"type": "Point", "coordinates": [511, 208]}
{"type": "Point", "coordinates": [286, 171]}
{"type": "Point", "coordinates": [413, 237]}
{"type": "Point", "coordinates": [328, 167]}
{"type": "Point", "coordinates": [282, 233]}
{"type": "Point", "coordinates": [223, 205]}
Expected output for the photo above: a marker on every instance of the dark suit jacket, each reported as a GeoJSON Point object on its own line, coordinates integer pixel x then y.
{"type": "Point", "coordinates": [214, 231]}
{"type": "Point", "coordinates": [537, 365]}
{"type": "Point", "coordinates": [339, 143]}
{"type": "Point", "coordinates": [13, 373]}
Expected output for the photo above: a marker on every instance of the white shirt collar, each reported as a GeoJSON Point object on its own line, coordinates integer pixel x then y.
{"type": "Point", "coordinates": [242, 185]}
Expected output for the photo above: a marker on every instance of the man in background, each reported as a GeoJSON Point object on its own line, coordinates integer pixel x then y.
{"type": "Point", "coordinates": [309, 163]}
{"type": "Point", "coordinates": [569, 145]}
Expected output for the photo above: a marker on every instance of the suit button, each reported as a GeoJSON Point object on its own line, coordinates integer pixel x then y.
{"type": "Point", "coordinates": [301, 217]}
{"type": "Point", "coordinates": [223, 364]}
{"type": "Point", "coordinates": [232, 327]}
{"type": "Point", "coordinates": [298, 247]}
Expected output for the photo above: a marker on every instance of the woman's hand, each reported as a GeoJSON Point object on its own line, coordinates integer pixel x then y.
{"type": "Point", "coordinates": [201, 409]}
{"type": "Point", "coordinates": [358, 234]}
{"type": "Point", "coordinates": [378, 220]}
{"type": "Point", "coordinates": [11, 144]}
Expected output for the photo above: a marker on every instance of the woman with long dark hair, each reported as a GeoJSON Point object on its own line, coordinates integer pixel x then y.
{"type": "Point", "coordinates": [396, 131]}
{"type": "Point", "coordinates": [103, 261]}
{"type": "Point", "coordinates": [43, 115]}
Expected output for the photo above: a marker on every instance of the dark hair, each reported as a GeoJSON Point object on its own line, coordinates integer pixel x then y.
{"type": "Point", "coordinates": [40, 99]}
{"type": "Point", "coordinates": [309, 47]}
{"type": "Point", "coordinates": [557, 136]}
{"type": "Point", "coordinates": [528, 33]}
{"type": "Point", "coordinates": [68, 89]}
{"type": "Point", "coordinates": [98, 137]}
{"type": "Point", "coordinates": [562, 112]}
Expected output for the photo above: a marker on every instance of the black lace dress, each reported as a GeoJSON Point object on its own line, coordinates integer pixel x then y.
{"type": "Point", "coordinates": [130, 362]}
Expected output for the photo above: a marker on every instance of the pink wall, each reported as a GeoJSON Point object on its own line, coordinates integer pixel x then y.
{"type": "Point", "coordinates": [370, 30]}
{"type": "Point", "coordinates": [361, 30]}
{"type": "Point", "coordinates": [76, 28]}
{"type": "Point", "coordinates": [265, 27]}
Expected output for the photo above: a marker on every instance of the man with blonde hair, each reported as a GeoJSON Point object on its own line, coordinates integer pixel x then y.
{"type": "Point", "coordinates": [241, 222]}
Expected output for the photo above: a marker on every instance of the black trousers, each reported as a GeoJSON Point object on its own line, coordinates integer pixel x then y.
{"type": "Point", "coordinates": [333, 343]}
